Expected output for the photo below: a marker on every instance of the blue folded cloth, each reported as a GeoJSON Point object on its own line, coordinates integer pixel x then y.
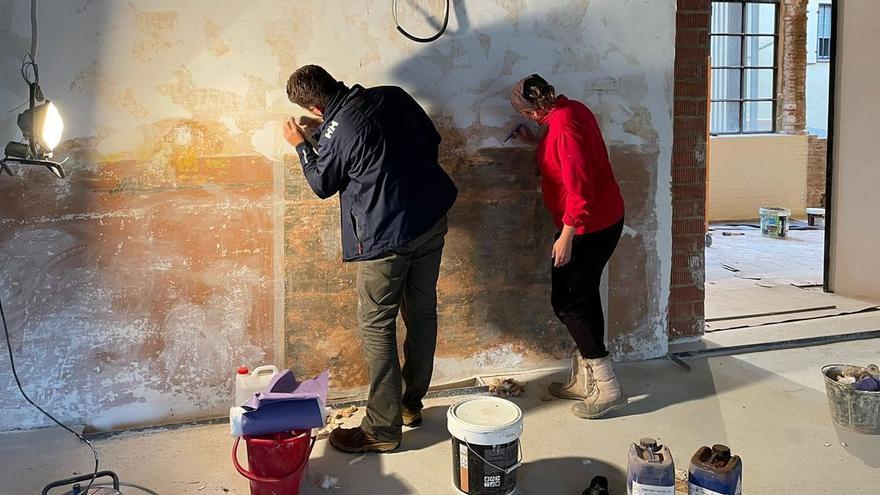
{"type": "Point", "coordinates": [868, 384]}
{"type": "Point", "coordinates": [285, 405]}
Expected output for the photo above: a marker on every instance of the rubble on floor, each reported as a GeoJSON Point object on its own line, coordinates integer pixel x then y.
{"type": "Point", "coordinates": [507, 387]}
{"type": "Point", "coordinates": [335, 419]}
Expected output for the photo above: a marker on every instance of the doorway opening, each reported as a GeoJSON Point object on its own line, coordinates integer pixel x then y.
{"type": "Point", "coordinates": [766, 164]}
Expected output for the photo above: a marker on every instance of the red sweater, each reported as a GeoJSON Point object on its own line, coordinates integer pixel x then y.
{"type": "Point", "coordinates": [577, 181]}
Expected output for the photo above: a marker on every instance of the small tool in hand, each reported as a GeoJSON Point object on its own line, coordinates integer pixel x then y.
{"type": "Point", "coordinates": [513, 132]}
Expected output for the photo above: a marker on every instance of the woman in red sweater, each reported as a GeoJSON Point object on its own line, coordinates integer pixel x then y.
{"type": "Point", "coordinates": [584, 199]}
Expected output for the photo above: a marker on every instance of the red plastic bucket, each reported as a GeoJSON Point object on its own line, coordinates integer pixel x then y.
{"type": "Point", "coordinates": [277, 462]}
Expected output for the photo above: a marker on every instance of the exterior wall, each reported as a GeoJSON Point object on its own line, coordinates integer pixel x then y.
{"type": "Point", "coordinates": [748, 172]}
{"type": "Point", "coordinates": [818, 73]}
{"type": "Point", "coordinates": [185, 241]}
{"type": "Point", "coordinates": [686, 308]}
{"type": "Point", "coordinates": [854, 223]}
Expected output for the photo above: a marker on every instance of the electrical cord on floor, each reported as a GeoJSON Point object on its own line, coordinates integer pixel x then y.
{"type": "Point", "coordinates": [130, 485]}
{"type": "Point", "coordinates": [37, 407]}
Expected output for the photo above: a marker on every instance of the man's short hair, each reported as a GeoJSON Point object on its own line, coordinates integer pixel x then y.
{"type": "Point", "coordinates": [311, 86]}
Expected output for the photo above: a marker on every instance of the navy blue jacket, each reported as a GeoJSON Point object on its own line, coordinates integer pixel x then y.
{"type": "Point", "coordinates": [378, 149]}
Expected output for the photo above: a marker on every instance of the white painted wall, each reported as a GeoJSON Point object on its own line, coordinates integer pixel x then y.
{"type": "Point", "coordinates": [818, 73]}
{"type": "Point", "coordinates": [747, 172]}
{"type": "Point", "coordinates": [855, 214]}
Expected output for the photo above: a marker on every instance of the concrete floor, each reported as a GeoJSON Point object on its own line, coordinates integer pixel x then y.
{"type": "Point", "coordinates": [799, 258]}
{"type": "Point", "coordinates": [748, 274]}
{"type": "Point", "coordinates": [770, 408]}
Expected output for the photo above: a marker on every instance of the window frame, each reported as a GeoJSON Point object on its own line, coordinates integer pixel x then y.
{"type": "Point", "coordinates": [819, 37]}
{"type": "Point", "coordinates": [743, 69]}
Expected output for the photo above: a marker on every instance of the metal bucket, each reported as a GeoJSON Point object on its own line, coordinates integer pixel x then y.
{"type": "Point", "coordinates": [851, 409]}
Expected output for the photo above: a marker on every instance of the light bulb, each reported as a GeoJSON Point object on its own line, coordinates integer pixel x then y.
{"type": "Point", "coordinates": [53, 126]}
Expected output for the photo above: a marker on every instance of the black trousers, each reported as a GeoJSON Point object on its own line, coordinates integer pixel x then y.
{"type": "Point", "coordinates": [575, 290]}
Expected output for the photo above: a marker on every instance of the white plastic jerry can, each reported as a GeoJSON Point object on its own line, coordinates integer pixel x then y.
{"type": "Point", "coordinates": [247, 382]}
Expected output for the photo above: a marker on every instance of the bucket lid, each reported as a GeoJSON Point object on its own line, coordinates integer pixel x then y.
{"type": "Point", "coordinates": [485, 415]}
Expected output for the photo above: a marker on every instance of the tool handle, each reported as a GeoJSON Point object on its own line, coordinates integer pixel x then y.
{"type": "Point", "coordinates": [264, 370]}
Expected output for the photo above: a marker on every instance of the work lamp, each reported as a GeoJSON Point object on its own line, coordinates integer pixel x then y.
{"type": "Point", "coordinates": [41, 125]}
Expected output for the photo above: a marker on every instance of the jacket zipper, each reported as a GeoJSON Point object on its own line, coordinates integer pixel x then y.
{"type": "Point", "coordinates": [360, 246]}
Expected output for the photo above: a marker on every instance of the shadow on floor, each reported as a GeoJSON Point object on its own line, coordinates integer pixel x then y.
{"type": "Point", "coordinates": [864, 447]}
{"type": "Point", "coordinates": [355, 476]}
{"type": "Point", "coordinates": [432, 431]}
{"type": "Point", "coordinates": [646, 384]}
{"type": "Point", "coordinates": [567, 475]}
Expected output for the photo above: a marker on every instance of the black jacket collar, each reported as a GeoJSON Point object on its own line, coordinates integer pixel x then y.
{"type": "Point", "coordinates": [337, 101]}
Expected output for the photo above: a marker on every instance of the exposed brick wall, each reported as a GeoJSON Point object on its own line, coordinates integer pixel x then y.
{"type": "Point", "coordinates": [816, 164]}
{"type": "Point", "coordinates": [686, 316]}
{"type": "Point", "coordinates": [792, 106]}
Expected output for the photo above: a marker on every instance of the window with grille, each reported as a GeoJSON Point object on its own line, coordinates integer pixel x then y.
{"type": "Point", "coordinates": [823, 47]}
{"type": "Point", "coordinates": [744, 39]}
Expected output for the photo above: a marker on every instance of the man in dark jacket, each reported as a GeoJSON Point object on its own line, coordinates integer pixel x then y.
{"type": "Point", "coordinates": [378, 149]}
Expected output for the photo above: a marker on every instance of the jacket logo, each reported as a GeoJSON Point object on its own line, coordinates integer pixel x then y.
{"type": "Point", "coordinates": [330, 129]}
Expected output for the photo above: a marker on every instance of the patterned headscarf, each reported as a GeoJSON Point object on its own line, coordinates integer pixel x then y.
{"type": "Point", "coordinates": [518, 99]}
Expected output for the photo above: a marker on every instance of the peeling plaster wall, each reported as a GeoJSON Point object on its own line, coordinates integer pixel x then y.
{"type": "Point", "coordinates": [134, 287]}
{"type": "Point", "coordinates": [494, 289]}
{"type": "Point", "coordinates": [181, 245]}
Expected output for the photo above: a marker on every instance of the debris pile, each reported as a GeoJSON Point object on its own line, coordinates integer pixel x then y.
{"type": "Point", "coordinates": [335, 419]}
{"type": "Point", "coordinates": [507, 387]}
{"type": "Point", "coordinates": [681, 481]}
{"type": "Point", "coordinates": [865, 379]}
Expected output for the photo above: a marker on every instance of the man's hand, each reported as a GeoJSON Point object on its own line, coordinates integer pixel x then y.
{"type": "Point", "coordinates": [307, 123]}
{"type": "Point", "coordinates": [562, 247]}
{"type": "Point", "coordinates": [293, 133]}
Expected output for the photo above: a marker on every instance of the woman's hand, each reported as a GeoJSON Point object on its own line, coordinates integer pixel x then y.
{"type": "Point", "coordinates": [562, 247]}
{"type": "Point", "coordinates": [524, 134]}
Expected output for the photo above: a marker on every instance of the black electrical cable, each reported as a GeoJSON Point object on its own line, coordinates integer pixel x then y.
{"type": "Point", "coordinates": [415, 38]}
{"type": "Point", "coordinates": [36, 406]}
{"type": "Point", "coordinates": [34, 34]}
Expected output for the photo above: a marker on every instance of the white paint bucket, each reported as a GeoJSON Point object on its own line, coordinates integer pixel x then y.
{"type": "Point", "coordinates": [485, 445]}
{"type": "Point", "coordinates": [774, 222]}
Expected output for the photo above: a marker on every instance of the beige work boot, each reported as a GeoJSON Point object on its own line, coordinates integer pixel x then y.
{"type": "Point", "coordinates": [605, 395]}
{"type": "Point", "coordinates": [580, 381]}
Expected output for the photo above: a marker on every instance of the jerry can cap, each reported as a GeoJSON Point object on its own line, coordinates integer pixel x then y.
{"type": "Point", "coordinates": [649, 444]}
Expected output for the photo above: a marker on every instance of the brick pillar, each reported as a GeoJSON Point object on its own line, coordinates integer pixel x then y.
{"type": "Point", "coordinates": [816, 165]}
{"type": "Point", "coordinates": [791, 112]}
{"type": "Point", "coordinates": [686, 316]}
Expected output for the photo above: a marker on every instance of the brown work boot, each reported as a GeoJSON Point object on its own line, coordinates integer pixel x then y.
{"type": "Point", "coordinates": [356, 441]}
{"type": "Point", "coordinates": [411, 418]}
{"type": "Point", "coordinates": [579, 384]}
{"type": "Point", "coordinates": [606, 394]}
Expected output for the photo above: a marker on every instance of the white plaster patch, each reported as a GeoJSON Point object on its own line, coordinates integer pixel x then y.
{"type": "Point", "coordinates": [230, 124]}
{"type": "Point", "coordinates": [268, 141]}
{"type": "Point", "coordinates": [503, 356]}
